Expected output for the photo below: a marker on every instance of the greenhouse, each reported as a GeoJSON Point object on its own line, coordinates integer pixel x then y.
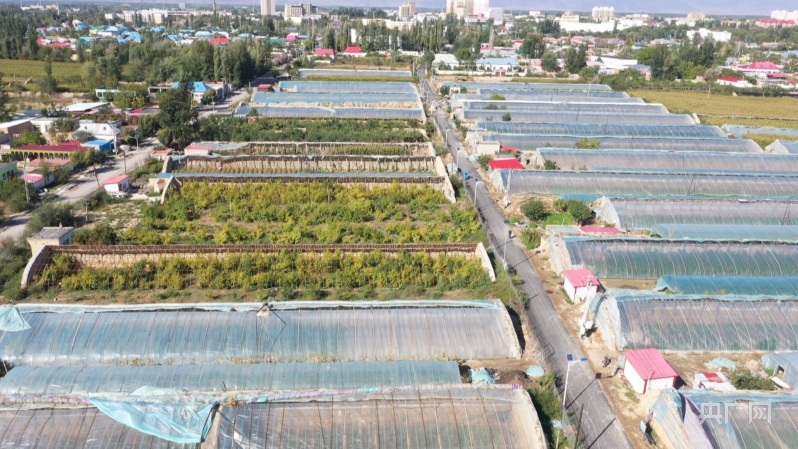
{"type": "Point", "coordinates": [731, 233]}
{"type": "Point", "coordinates": [511, 94]}
{"type": "Point", "coordinates": [304, 73]}
{"type": "Point", "coordinates": [518, 101]}
{"type": "Point", "coordinates": [285, 332]}
{"type": "Point", "coordinates": [629, 258]}
{"type": "Point", "coordinates": [643, 214]}
{"type": "Point", "coordinates": [333, 98]}
{"type": "Point", "coordinates": [634, 319]}
{"type": "Point", "coordinates": [345, 87]}
{"type": "Point", "coordinates": [784, 146]}
{"type": "Point", "coordinates": [45, 427]}
{"type": "Point", "coordinates": [560, 182]}
{"type": "Point", "coordinates": [89, 380]}
{"type": "Point", "coordinates": [565, 106]}
{"type": "Point", "coordinates": [466, 417]}
{"type": "Point", "coordinates": [735, 420]}
{"type": "Point", "coordinates": [310, 112]}
{"type": "Point", "coordinates": [573, 159]}
{"type": "Point", "coordinates": [531, 143]}
{"type": "Point", "coordinates": [531, 86]}
{"type": "Point", "coordinates": [602, 130]}
{"type": "Point", "coordinates": [729, 285]}
{"type": "Point", "coordinates": [783, 365]}
{"type": "Point", "coordinates": [576, 117]}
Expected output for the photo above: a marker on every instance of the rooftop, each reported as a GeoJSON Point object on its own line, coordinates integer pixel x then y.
{"type": "Point", "coordinates": [650, 363]}
{"type": "Point", "coordinates": [509, 164]}
{"type": "Point", "coordinates": [52, 232]}
{"type": "Point", "coordinates": [14, 123]}
{"type": "Point", "coordinates": [83, 107]}
{"type": "Point", "coordinates": [581, 277]}
{"type": "Point", "coordinates": [115, 180]}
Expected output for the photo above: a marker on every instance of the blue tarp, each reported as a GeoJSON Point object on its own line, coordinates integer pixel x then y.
{"type": "Point", "coordinates": [11, 320]}
{"type": "Point", "coordinates": [481, 376]}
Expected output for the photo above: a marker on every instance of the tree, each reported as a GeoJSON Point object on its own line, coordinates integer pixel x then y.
{"type": "Point", "coordinates": [534, 210]}
{"type": "Point", "coordinates": [575, 59]}
{"type": "Point", "coordinates": [50, 214]}
{"type": "Point", "coordinates": [82, 136]}
{"type": "Point", "coordinates": [148, 125]}
{"type": "Point", "coordinates": [102, 234]}
{"type": "Point", "coordinates": [178, 118]}
{"type": "Point", "coordinates": [462, 54]}
{"type": "Point", "coordinates": [550, 165]}
{"type": "Point", "coordinates": [549, 62]}
{"type": "Point", "coordinates": [577, 209]}
{"type": "Point", "coordinates": [131, 96]}
{"type": "Point", "coordinates": [28, 138]}
{"type": "Point", "coordinates": [6, 110]}
{"type": "Point", "coordinates": [48, 85]}
{"type": "Point", "coordinates": [745, 379]}
{"type": "Point", "coordinates": [533, 47]}
{"type": "Point", "coordinates": [506, 117]}
{"type": "Point", "coordinates": [588, 144]}
{"type": "Point", "coordinates": [549, 26]}
{"type": "Point", "coordinates": [661, 60]}
{"type": "Point", "coordinates": [484, 160]}
{"type": "Point", "coordinates": [495, 97]}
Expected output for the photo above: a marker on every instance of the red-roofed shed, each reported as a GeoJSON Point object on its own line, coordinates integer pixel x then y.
{"type": "Point", "coordinates": [324, 52]}
{"type": "Point", "coordinates": [646, 369]}
{"type": "Point", "coordinates": [580, 284]}
{"type": "Point", "coordinates": [219, 40]}
{"type": "Point", "coordinates": [505, 164]}
{"type": "Point", "coordinates": [117, 184]}
{"type": "Point", "coordinates": [601, 230]}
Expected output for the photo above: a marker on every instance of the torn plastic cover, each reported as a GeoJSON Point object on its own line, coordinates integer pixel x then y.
{"type": "Point", "coordinates": [11, 320]}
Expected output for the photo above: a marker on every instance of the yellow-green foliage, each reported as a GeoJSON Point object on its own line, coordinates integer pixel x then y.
{"type": "Point", "coordinates": [698, 102]}
{"type": "Point", "coordinates": [17, 68]}
{"type": "Point", "coordinates": [286, 270]}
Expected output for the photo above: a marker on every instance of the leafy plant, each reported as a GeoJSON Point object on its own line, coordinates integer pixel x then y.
{"type": "Point", "coordinates": [530, 238]}
{"type": "Point", "coordinates": [745, 379]}
{"type": "Point", "coordinates": [588, 144]}
{"type": "Point", "coordinates": [550, 165]}
{"type": "Point", "coordinates": [534, 210]}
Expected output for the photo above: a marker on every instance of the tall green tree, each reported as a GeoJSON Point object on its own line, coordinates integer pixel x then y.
{"type": "Point", "coordinates": [533, 47]}
{"type": "Point", "coordinates": [549, 62]}
{"type": "Point", "coordinates": [575, 59]}
{"type": "Point", "coordinates": [48, 85]}
{"type": "Point", "coordinates": [6, 110]}
{"type": "Point", "coordinates": [178, 117]}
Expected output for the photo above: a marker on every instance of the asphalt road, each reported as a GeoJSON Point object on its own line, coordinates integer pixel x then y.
{"type": "Point", "coordinates": [600, 426]}
{"type": "Point", "coordinates": [76, 190]}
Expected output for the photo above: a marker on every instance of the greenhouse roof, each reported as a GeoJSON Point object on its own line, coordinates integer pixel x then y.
{"type": "Point", "coordinates": [530, 143]}
{"type": "Point", "coordinates": [464, 417]}
{"type": "Point", "coordinates": [743, 419]}
{"type": "Point", "coordinates": [571, 158]}
{"type": "Point", "coordinates": [784, 146]}
{"type": "Point", "coordinates": [512, 94]}
{"type": "Point", "coordinates": [628, 258]}
{"type": "Point", "coordinates": [335, 98]}
{"type": "Point", "coordinates": [654, 184]}
{"type": "Point", "coordinates": [569, 106]}
{"type": "Point", "coordinates": [347, 87]}
{"type": "Point", "coordinates": [85, 428]}
{"type": "Point", "coordinates": [309, 112]}
{"type": "Point", "coordinates": [303, 73]}
{"type": "Point", "coordinates": [734, 233]}
{"type": "Point", "coordinates": [787, 361]}
{"type": "Point", "coordinates": [89, 380]}
{"type": "Point", "coordinates": [602, 130]}
{"type": "Point", "coordinates": [729, 285]}
{"type": "Point", "coordinates": [634, 319]}
{"type": "Point", "coordinates": [531, 86]}
{"type": "Point", "coordinates": [643, 214]}
{"type": "Point", "coordinates": [577, 117]}
{"type": "Point", "coordinates": [512, 101]}
{"type": "Point", "coordinates": [291, 332]}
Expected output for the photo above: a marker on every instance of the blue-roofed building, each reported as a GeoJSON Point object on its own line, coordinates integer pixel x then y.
{"type": "Point", "coordinates": [81, 26]}
{"type": "Point", "coordinates": [498, 65]}
{"type": "Point", "coordinates": [102, 145]}
{"type": "Point", "coordinates": [199, 89]}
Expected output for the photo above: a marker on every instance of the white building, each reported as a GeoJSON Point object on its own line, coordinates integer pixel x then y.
{"type": "Point", "coordinates": [587, 27]}
{"type": "Point", "coordinates": [51, 236]}
{"type": "Point", "coordinates": [646, 369]}
{"type": "Point", "coordinates": [446, 59]}
{"type": "Point", "coordinates": [117, 185]}
{"type": "Point", "coordinates": [267, 8]}
{"type": "Point", "coordinates": [696, 17]}
{"type": "Point", "coordinates": [497, 14]}
{"type": "Point", "coordinates": [603, 13]}
{"type": "Point", "coordinates": [717, 36]}
{"type": "Point", "coordinates": [580, 284]}
{"type": "Point", "coordinates": [614, 63]}
{"type": "Point", "coordinates": [480, 8]}
{"type": "Point", "coordinates": [785, 15]}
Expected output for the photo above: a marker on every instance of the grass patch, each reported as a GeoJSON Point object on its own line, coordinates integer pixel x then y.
{"type": "Point", "coordinates": [699, 102]}
{"type": "Point", "coordinates": [547, 404]}
{"type": "Point", "coordinates": [558, 219]}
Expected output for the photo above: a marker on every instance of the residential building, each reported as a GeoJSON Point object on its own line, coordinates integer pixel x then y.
{"type": "Point", "coordinates": [37, 181]}
{"type": "Point", "coordinates": [497, 14]}
{"type": "Point", "coordinates": [8, 170]}
{"type": "Point", "coordinates": [447, 59]}
{"type": "Point", "coordinates": [735, 82]}
{"type": "Point", "coordinates": [696, 17]}
{"type": "Point", "coordinates": [603, 13]}
{"type": "Point", "coordinates": [407, 10]}
{"type": "Point", "coordinates": [580, 284]}
{"type": "Point", "coordinates": [460, 8]}
{"type": "Point", "coordinates": [758, 69]}
{"type": "Point", "coordinates": [646, 369]}
{"type": "Point", "coordinates": [117, 185]}
{"type": "Point", "coordinates": [355, 52]}
{"type": "Point", "coordinates": [267, 8]}
{"type": "Point", "coordinates": [570, 26]}
{"type": "Point", "coordinates": [60, 151]}
{"type": "Point", "coordinates": [51, 236]}
{"type": "Point", "coordinates": [499, 66]}
{"type": "Point", "coordinates": [9, 130]}
{"type": "Point", "coordinates": [717, 36]}
{"type": "Point", "coordinates": [774, 23]}
{"type": "Point", "coordinates": [480, 8]}
{"type": "Point", "coordinates": [785, 15]}
{"type": "Point", "coordinates": [101, 131]}
{"type": "Point", "coordinates": [301, 10]}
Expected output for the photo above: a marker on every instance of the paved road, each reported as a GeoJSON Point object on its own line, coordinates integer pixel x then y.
{"type": "Point", "coordinates": [14, 227]}
{"type": "Point", "coordinates": [599, 424]}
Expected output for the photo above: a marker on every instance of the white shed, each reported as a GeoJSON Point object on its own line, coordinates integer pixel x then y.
{"type": "Point", "coordinates": [580, 284]}
{"type": "Point", "coordinates": [117, 185]}
{"type": "Point", "coordinates": [646, 369]}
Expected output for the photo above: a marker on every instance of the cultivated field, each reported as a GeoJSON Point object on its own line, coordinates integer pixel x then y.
{"type": "Point", "coordinates": [21, 69]}
{"type": "Point", "coordinates": [724, 105]}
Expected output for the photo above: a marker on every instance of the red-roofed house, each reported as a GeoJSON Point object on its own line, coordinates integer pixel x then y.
{"type": "Point", "coordinates": [580, 284]}
{"type": "Point", "coordinates": [117, 184]}
{"type": "Point", "coordinates": [355, 52]}
{"type": "Point", "coordinates": [220, 40]}
{"type": "Point", "coordinates": [505, 164]}
{"type": "Point", "coordinates": [759, 69]}
{"type": "Point", "coordinates": [36, 180]}
{"type": "Point", "coordinates": [324, 52]}
{"type": "Point", "coordinates": [774, 23]}
{"type": "Point", "coordinates": [731, 81]}
{"type": "Point", "coordinates": [52, 164]}
{"type": "Point", "coordinates": [197, 150]}
{"type": "Point", "coordinates": [60, 151]}
{"type": "Point", "coordinates": [646, 369]}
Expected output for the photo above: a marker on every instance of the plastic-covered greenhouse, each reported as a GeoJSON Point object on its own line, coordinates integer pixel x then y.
{"type": "Point", "coordinates": [646, 184]}
{"type": "Point", "coordinates": [517, 101]}
{"type": "Point", "coordinates": [734, 420]}
{"type": "Point", "coordinates": [289, 332]}
{"type": "Point", "coordinates": [566, 106]}
{"type": "Point", "coordinates": [531, 86]}
{"type": "Point", "coordinates": [573, 159]}
{"type": "Point", "coordinates": [602, 130]}
{"type": "Point", "coordinates": [643, 214]}
{"type": "Point", "coordinates": [577, 117]}
{"type": "Point", "coordinates": [89, 380]}
{"type": "Point", "coordinates": [530, 143]}
{"type": "Point", "coordinates": [734, 233]}
{"type": "Point", "coordinates": [327, 112]}
{"type": "Point", "coordinates": [784, 146]}
{"type": "Point", "coordinates": [60, 428]}
{"type": "Point", "coordinates": [334, 98]}
{"type": "Point", "coordinates": [304, 73]}
{"type": "Point", "coordinates": [729, 285]}
{"type": "Point", "coordinates": [345, 87]}
{"type": "Point", "coordinates": [511, 94]}
{"type": "Point", "coordinates": [453, 418]}
{"type": "Point", "coordinates": [628, 258]}
{"type": "Point", "coordinates": [783, 364]}
{"type": "Point", "coordinates": [634, 319]}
